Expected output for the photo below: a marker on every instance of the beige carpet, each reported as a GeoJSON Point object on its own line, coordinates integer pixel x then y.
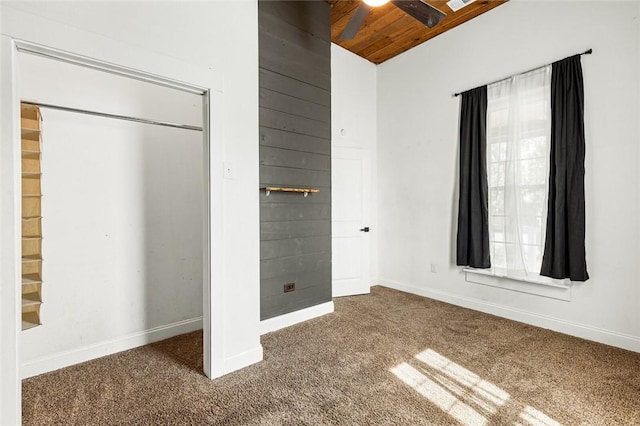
{"type": "Point", "coordinates": [388, 358]}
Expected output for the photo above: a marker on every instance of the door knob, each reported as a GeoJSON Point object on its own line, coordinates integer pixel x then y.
{"type": "Point", "coordinates": [365, 229]}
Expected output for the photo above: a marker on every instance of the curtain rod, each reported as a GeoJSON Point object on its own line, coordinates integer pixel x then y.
{"type": "Point", "coordinates": [586, 52]}
{"type": "Point", "coordinates": [118, 117]}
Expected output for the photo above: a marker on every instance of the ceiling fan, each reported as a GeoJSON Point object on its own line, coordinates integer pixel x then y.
{"type": "Point", "coordinates": [417, 9]}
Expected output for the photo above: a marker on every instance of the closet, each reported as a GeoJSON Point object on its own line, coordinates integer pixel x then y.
{"type": "Point", "coordinates": [122, 212]}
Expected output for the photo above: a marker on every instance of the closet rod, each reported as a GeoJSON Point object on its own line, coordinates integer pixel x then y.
{"type": "Point", "coordinates": [118, 117]}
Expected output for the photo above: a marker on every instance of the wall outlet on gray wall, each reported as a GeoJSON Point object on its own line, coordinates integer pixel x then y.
{"type": "Point", "coordinates": [289, 287]}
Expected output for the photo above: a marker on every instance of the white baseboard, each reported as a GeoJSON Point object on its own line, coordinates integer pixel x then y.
{"type": "Point", "coordinates": [287, 320]}
{"type": "Point", "coordinates": [97, 350]}
{"type": "Point", "coordinates": [584, 331]}
{"type": "Point", "coordinates": [241, 360]}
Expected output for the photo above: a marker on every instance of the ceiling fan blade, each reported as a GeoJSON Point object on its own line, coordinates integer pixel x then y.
{"type": "Point", "coordinates": [421, 11]}
{"type": "Point", "coordinates": [356, 22]}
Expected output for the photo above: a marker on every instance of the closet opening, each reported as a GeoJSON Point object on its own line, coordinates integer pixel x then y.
{"type": "Point", "coordinates": [123, 220]}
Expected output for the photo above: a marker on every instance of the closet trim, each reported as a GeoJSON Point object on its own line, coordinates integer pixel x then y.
{"type": "Point", "coordinates": [83, 61]}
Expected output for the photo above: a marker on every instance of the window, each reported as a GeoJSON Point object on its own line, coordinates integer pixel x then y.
{"type": "Point", "coordinates": [511, 151]}
{"type": "Point", "coordinates": [518, 147]}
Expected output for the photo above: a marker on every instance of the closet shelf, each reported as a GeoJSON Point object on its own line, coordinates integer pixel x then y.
{"type": "Point", "coordinates": [26, 174]}
{"type": "Point", "coordinates": [305, 191]}
{"type": "Point", "coordinates": [31, 300]}
{"type": "Point", "coordinates": [31, 195]}
{"type": "Point", "coordinates": [26, 153]}
{"type": "Point", "coordinates": [26, 325]}
{"type": "Point", "coordinates": [31, 237]}
{"type": "Point", "coordinates": [31, 259]}
{"type": "Point", "coordinates": [30, 280]}
{"type": "Point", "coordinates": [26, 218]}
{"type": "Point", "coordinates": [32, 134]}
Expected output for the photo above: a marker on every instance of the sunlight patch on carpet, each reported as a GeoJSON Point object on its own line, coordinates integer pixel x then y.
{"type": "Point", "coordinates": [533, 417]}
{"type": "Point", "coordinates": [484, 389]}
{"type": "Point", "coordinates": [438, 395]}
{"type": "Point", "coordinates": [461, 393]}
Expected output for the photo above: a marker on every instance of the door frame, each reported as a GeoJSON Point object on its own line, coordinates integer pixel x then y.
{"type": "Point", "coordinates": [10, 211]}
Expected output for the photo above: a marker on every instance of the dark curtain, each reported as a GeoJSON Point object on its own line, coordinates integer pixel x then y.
{"type": "Point", "coordinates": [564, 251]}
{"type": "Point", "coordinates": [473, 220]}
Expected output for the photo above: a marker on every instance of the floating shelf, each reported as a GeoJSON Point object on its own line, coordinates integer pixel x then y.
{"type": "Point", "coordinates": [304, 191]}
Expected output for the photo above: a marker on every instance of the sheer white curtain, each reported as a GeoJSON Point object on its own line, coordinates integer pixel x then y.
{"type": "Point", "coordinates": [518, 145]}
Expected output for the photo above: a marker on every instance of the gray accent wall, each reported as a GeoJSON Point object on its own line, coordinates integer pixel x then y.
{"type": "Point", "coordinates": [295, 151]}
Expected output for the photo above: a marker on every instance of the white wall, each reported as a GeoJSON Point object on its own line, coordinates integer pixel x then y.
{"type": "Point", "coordinates": [418, 159]}
{"type": "Point", "coordinates": [353, 121]}
{"type": "Point", "coordinates": [123, 213]}
{"type": "Point", "coordinates": [189, 41]}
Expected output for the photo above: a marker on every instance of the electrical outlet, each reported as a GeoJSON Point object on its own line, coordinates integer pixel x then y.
{"type": "Point", "coordinates": [289, 287]}
{"type": "Point", "coordinates": [434, 269]}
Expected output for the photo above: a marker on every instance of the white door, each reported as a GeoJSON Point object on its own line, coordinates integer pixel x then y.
{"type": "Point", "coordinates": [350, 207]}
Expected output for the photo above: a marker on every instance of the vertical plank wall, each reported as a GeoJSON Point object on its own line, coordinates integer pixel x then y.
{"type": "Point", "coordinates": [295, 151]}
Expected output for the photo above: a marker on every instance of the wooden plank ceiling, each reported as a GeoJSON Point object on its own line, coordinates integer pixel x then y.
{"type": "Point", "coordinates": [388, 31]}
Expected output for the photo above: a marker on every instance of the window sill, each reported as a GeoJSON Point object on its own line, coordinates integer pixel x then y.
{"type": "Point", "coordinates": [545, 287]}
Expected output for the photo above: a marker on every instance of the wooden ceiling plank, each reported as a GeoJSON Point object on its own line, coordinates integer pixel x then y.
{"type": "Point", "coordinates": [464, 17]}
{"type": "Point", "coordinates": [378, 17]}
{"type": "Point", "coordinates": [374, 27]}
{"type": "Point", "coordinates": [441, 5]}
{"type": "Point", "coordinates": [398, 25]}
{"type": "Point", "coordinates": [388, 31]}
{"type": "Point", "coordinates": [419, 36]}
{"type": "Point", "coordinates": [387, 41]}
{"type": "Point", "coordinates": [341, 8]}
{"type": "Point", "coordinates": [340, 24]}
{"type": "Point", "coordinates": [393, 49]}
{"type": "Point", "coordinates": [410, 40]}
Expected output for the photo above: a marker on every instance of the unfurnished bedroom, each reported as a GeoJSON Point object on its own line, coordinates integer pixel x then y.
{"type": "Point", "coordinates": [254, 212]}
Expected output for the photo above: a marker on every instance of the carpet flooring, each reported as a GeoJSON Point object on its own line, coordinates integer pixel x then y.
{"type": "Point", "coordinates": [387, 358]}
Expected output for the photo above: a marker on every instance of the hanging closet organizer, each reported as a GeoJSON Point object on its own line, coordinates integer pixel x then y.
{"type": "Point", "coordinates": [31, 148]}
